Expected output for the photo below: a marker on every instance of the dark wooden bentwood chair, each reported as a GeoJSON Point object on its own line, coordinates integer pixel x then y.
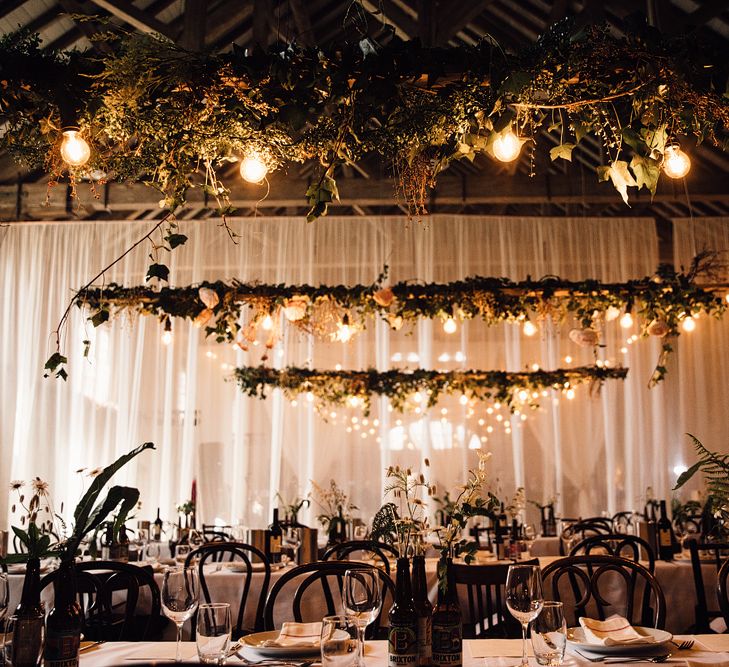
{"type": "Point", "coordinates": [722, 592]}
{"type": "Point", "coordinates": [581, 529]}
{"type": "Point", "coordinates": [705, 555]}
{"type": "Point", "coordinates": [317, 591]}
{"type": "Point", "coordinates": [246, 559]}
{"type": "Point", "coordinates": [599, 586]}
{"type": "Point", "coordinates": [120, 602]}
{"type": "Point", "coordinates": [363, 549]}
{"type": "Point", "coordinates": [617, 544]}
{"type": "Point", "coordinates": [486, 615]}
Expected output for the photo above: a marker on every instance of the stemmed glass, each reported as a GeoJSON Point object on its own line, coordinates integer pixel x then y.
{"type": "Point", "coordinates": [292, 541]}
{"type": "Point", "coordinates": [180, 596]}
{"type": "Point", "coordinates": [4, 596]}
{"type": "Point", "coordinates": [362, 601]}
{"type": "Point", "coordinates": [524, 599]}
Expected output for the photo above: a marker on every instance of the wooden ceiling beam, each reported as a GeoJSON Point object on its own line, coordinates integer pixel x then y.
{"type": "Point", "coordinates": [262, 22]}
{"type": "Point", "coordinates": [86, 24]}
{"type": "Point", "coordinates": [454, 17]}
{"type": "Point", "coordinates": [708, 10]}
{"type": "Point", "coordinates": [9, 6]}
{"type": "Point", "coordinates": [305, 31]}
{"type": "Point", "coordinates": [194, 25]}
{"type": "Point", "coordinates": [135, 17]}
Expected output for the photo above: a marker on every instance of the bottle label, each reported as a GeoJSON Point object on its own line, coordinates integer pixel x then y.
{"type": "Point", "coordinates": [425, 639]}
{"type": "Point", "coordinates": [274, 545]}
{"type": "Point", "coordinates": [62, 649]}
{"type": "Point", "coordinates": [447, 644]}
{"type": "Point", "coordinates": [664, 538]}
{"type": "Point", "coordinates": [402, 645]}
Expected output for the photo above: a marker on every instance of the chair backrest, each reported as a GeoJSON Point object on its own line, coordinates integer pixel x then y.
{"type": "Point", "coordinates": [378, 551]}
{"type": "Point", "coordinates": [108, 614]}
{"type": "Point", "coordinates": [485, 615]}
{"type": "Point", "coordinates": [623, 522]}
{"type": "Point", "coordinates": [721, 590]}
{"type": "Point", "coordinates": [213, 533]}
{"type": "Point", "coordinates": [246, 560]}
{"type": "Point", "coordinates": [599, 586]}
{"type": "Point", "coordinates": [709, 554]}
{"type": "Point", "coordinates": [313, 590]}
{"type": "Point", "coordinates": [581, 529]}
{"type": "Point", "coordinates": [617, 544]}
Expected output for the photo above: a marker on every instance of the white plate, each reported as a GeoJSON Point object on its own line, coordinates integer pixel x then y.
{"type": "Point", "coordinates": [257, 639]}
{"type": "Point", "coordinates": [576, 639]}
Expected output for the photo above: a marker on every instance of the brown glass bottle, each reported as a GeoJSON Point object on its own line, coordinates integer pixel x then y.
{"type": "Point", "coordinates": [447, 622]}
{"type": "Point", "coordinates": [28, 621]}
{"type": "Point", "coordinates": [63, 626]}
{"type": "Point", "coordinates": [402, 638]}
{"type": "Point", "coordinates": [665, 535]}
{"type": "Point", "coordinates": [423, 612]}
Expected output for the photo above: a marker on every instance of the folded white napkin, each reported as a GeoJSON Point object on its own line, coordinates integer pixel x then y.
{"type": "Point", "coordinates": [612, 632]}
{"type": "Point", "coordinates": [297, 634]}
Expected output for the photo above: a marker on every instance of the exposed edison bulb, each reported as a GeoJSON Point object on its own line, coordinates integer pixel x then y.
{"type": "Point", "coordinates": [344, 330]}
{"type": "Point", "coordinates": [253, 169]}
{"type": "Point", "coordinates": [167, 333]}
{"type": "Point", "coordinates": [570, 394]}
{"type": "Point", "coordinates": [463, 400]}
{"type": "Point", "coordinates": [688, 323]}
{"type": "Point", "coordinates": [676, 163]}
{"type": "Point", "coordinates": [523, 395]}
{"type": "Point", "coordinates": [267, 323]}
{"type": "Point", "coordinates": [626, 321]}
{"type": "Point", "coordinates": [507, 146]}
{"type": "Point", "coordinates": [74, 149]}
{"type": "Point", "coordinates": [450, 326]}
{"type": "Point", "coordinates": [529, 328]}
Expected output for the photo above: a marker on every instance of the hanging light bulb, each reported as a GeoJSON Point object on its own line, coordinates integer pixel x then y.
{"type": "Point", "coordinates": [267, 323]}
{"type": "Point", "coordinates": [74, 149]}
{"type": "Point", "coordinates": [344, 330]}
{"type": "Point", "coordinates": [676, 163]}
{"type": "Point", "coordinates": [450, 326]}
{"type": "Point", "coordinates": [626, 321]}
{"type": "Point", "coordinates": [570, 394]}
{"type": "Point", "coordinates": [507, 146]}
{"type": "Point", "coordinates": [529, 328]}
{"type": "Point", "coordinates": [167, 333]}
{"type": "Point", "coordinates": [688, 323]}
{"type": "Point", "coordinates": [253, 169]}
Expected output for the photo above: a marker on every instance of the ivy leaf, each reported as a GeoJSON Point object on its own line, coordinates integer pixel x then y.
{"type": "Point", "coordinates": [320, 195]}
{"type": "Point", "coordinates": [655, 139]}
{"type": "Point", "coordinates": [55, 365]}
{"type": "Point", "coordinates": [176, 240]}
{"type": "Point", "coordinates": [647, 171]}
{"type": "Point", "coordinates": [157, 271]}
{"type": "Point", "coordinates": [603, 174]}
{"type": "Point", "coordinates": [563, 151]}
{"type": "Point", "coordinates": [516, 82]}
{"type": "Point", "coordinates": [622, 178]}
{"type": "Point", "coordinates": [99, 317]}
{"type": "Point", "coordinates": [581, 131]}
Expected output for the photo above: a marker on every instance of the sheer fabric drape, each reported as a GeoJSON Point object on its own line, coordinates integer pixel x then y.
{"type": "Point", "coordinates": [597, 451]}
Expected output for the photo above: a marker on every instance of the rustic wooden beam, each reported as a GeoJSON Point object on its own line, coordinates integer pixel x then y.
{"type": "Point", "coordinates": [9, 6]}
{"type": "Point", "coordinates": [302, 21]}
{"type": "Point", "coordinates": [135, 17]}
{"type": "Point", "coordinates": [427, 21]}
{"type": "Point", "coordinates": [454, 17]}
{"type": "Point", "coordinates": [708, 10]}
{"type": "Point", "coordinates": [261, 22]}
{"type": "Point", "coordinates": [193, 30]}
{"type": "Point", "coordinates": [86, 24]}
{"type": "Point", "coordinates": [487, 189]}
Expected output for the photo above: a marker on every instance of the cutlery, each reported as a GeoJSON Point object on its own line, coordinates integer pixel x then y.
{"type": "Point", "coordinates": [270, 662]}
{"type": "Point", "coordinates": [91, 645]}
{"type": "Point", "coordinates": [684, 645]}
{"type": "Point", "coordinates": [610, 660]}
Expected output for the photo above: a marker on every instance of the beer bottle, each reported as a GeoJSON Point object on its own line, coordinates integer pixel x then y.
{"type": "Point", "coordinates": [423, 611]}
{"type": "Point", "coordinates": [402, 643]}
{"type": "Point", "coordinates": [447, 623]}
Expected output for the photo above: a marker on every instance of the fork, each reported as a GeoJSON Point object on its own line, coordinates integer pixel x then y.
{"type": "Point", "coordinates": [684, 645]}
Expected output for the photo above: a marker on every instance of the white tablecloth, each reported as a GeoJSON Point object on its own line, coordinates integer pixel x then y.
{"type": "Point", "coordinates": [675, 578]}
{"type": "Point", "coordinates": [488, 653]}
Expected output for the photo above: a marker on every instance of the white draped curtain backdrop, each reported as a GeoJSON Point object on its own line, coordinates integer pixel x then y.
{"type": "Point", "coordinates": [597, 452]}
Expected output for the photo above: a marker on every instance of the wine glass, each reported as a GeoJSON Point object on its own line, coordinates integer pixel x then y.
{"type": "Point", "coordinates": [292, 541]}
{"type": "Point", "coordinates": [180, 595]}
{"type": "Point", "coordinates": [362, 601]}
{"type": "Point", "coordinates": [524, 599]}
{"type": "Point", "coordinates": [4, 595]}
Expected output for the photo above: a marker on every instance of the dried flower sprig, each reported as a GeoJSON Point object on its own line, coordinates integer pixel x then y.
{"type": "Point", "coordinates": [333, 502]}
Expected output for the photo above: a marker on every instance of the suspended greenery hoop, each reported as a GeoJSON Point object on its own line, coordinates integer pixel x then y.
{"type": "Point", "coordinates": [516, 390]}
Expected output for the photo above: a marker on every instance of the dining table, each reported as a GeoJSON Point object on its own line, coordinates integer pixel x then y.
{"type": "Point", "coordinates": [705, 650]}
{"type": "Point", "coordinates": [226, 585]}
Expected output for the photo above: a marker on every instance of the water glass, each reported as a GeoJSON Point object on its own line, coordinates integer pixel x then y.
{"type": "Point", "coordinates": [213, 632]}
{"type": "Point", "coordinates": [549, 634]}
{"type": "Point", "coordinates": [339, 641]}
{"type": "Point", "coordinates": [152, 552]}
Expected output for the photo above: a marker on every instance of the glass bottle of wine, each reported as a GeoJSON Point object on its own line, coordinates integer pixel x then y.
{"type": "Point", "coordinates": [423, 611]}
{"type": "Point", "coordinates": [274, 536]}
{"type": "Point", "coordinates": [63, 626]}
{"type": "Point", "coordinates": [157, 528]}
{"type": "Point", "coordinates": [665, 535]}
{"type": "Point", "coordinates": [402, 642]}
{"type": "Point", "coordinates": [447, 621]}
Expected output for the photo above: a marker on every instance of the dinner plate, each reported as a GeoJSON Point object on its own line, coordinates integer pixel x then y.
{"type": "Point", "coordinates": [257, 639]}
{"type": "Point", "coordinates": [576, 639]}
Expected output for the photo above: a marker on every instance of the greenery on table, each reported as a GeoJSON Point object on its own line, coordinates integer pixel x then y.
{"type": "Point", "coordinates": [40, 541]}
{"type": "Point", "coordinates": [156, 113]}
